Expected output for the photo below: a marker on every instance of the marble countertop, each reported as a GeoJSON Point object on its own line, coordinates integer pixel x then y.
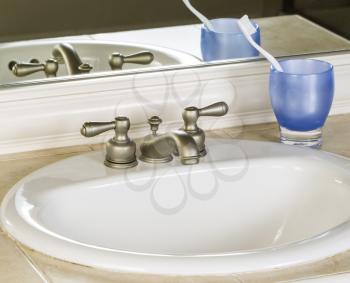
{"type": "Point", "coordinates": [282, 36]}
{"type": "Point", "coordinates": [20, 264]}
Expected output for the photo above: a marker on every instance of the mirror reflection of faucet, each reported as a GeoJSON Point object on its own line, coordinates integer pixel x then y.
{"type": "Point", "coordinates": [117, 60]}
{"type": "Point", "coordinates": [65, 53]}
{"type": "Point", "coordinates": [22, 69]}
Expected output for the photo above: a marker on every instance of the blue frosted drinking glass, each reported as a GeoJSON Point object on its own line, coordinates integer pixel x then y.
{"type": "Point", "coordinates": [301, 99]}
{"type": "Point", "coordinates": [227, 42]}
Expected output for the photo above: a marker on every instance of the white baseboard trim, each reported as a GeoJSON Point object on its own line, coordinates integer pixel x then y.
{"type": "Point", "coordinates": [49, 116]}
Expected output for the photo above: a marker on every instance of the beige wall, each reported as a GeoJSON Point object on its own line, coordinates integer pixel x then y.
{"type": "Point", "coordinates": [25, 19]}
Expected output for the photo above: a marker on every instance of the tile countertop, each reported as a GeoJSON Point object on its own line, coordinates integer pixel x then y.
{"type": "Point", "coordinates": [22, 265]}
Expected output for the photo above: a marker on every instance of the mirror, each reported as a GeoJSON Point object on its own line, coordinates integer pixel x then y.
{"type": "Point", "coordinates": [46, 42]}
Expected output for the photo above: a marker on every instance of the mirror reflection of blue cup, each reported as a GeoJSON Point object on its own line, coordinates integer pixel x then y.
{"type": "Point", "coordinates": [301, 98]}
{"type": "Point", "coordinates": [227, 41]}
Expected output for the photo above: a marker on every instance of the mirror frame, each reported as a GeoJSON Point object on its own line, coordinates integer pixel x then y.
{"type": "Point", "coordinates": [151, 70]}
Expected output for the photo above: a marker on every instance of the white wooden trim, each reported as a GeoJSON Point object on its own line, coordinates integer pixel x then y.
{"type": "Point", "coordinates": [50, 115]}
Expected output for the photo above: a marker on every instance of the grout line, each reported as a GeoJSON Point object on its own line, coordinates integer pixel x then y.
{"type": "Point", "coordinates": [37, 154]}
{"type": "Point", "coordinates": [33, 264]}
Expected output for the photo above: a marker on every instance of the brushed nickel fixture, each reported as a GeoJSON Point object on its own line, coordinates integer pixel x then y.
{"type": "Point", "coordinates": [188, 142]}
{"type": "Point", "coordinates": [22, 69]}
{"type": "Point", "coordinates": [65, 53]}
{"type": "Point", "coordinates": [120, 150]}
{"type": "Point", "coordinates": [159, 148]}
{"type": "Point", "coordinates": [191, 116]}
{"type": "Point", "coordinates": [117, 60]}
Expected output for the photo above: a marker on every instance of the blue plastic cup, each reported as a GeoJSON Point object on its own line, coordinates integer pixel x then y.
{"type": "Point", "coordinates": [301, 99]}
{"type": "Point", "coordinates": [227, 42]}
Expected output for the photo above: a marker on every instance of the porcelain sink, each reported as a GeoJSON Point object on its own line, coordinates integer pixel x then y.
{"type": "Point", "coordinates": [96, 53]}
{"type": "Point", "coordinates": [247, 206]}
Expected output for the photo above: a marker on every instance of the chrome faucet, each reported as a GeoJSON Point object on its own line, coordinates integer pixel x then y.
{"type": "Point", "coordinates": [65, 53]}
{"type": "Point", "coordinates": [159, 148]}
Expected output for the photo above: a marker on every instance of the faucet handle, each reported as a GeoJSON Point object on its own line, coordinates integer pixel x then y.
{"type": "Point", "coordinates": [216, 109]}
{"type": "Point", "coordinates": [191, 116]}
{"type": "Point", "coordinates": [154, 122]}
{"type": "Point", "coordinates": [121, 125]}
{"type": "Point", "coordinates": [21, 69]}
{"type": "Point", "coordinates": [117, 60]}
{"type": "Point", "coordinates": [92, 129]}
{"type": "Point", "coordinates": [120, 150]}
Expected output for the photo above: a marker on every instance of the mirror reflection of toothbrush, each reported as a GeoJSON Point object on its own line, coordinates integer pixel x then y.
{"type": "Point", "coordinates": [199, 15]}
{"type": "Point", "coordinates": [248, 29]}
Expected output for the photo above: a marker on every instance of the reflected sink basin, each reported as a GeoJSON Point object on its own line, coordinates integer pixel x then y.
{"type": "Point", "coordinates": [247, 206]}
{"type": "Point", "coordinates": [96, 53]}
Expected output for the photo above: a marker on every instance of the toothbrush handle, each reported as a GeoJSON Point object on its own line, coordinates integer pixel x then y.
{"type": "Point", "coordinates": [199, 15]}
{"type": "Point", "coordinates": [267, 55]}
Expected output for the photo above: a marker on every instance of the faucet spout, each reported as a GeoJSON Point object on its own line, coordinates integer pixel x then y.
{"type": "Point", "coordinates": [159, 148]}
{"type": "Point", "coordinates": [65, 53]}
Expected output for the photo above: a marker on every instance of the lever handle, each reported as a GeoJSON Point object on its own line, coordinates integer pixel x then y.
{"type": "Point", "coordinates": [25, 69]}
{"type": "Point", "coordinates": [216, 109]}
{"type": "Point", "coordinates": [120, 150]}
{"type": "Point", "coordinates": [91, 129]}
{"type": "Point", "coordinates": [191, 114]}
{"type": "Point", "coordinates": [117, 60]}
{"type": "Point", "coordinates": [143, 58]}
{"type": "Point", "coordinates": [22, 69]}
{"type": "Point", "coordinates": [121, 125]}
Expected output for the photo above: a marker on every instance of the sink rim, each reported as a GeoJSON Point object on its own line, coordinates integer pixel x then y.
{"type": "Point", "coordinates": [224, 263]}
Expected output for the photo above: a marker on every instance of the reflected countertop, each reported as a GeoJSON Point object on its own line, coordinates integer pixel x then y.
{"type": "Point", "coordinates": [282, 36]}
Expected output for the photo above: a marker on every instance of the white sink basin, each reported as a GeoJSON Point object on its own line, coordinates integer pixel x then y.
{"type": "Point", "coordinates": [247, 206]}
{"type": "Point", "coordinates": [96, 53]}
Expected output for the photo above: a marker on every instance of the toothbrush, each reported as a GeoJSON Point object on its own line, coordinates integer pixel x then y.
{"type": "Point", "coordinates": [199, 15]}
{"type": "Point", "coordinates": [248, 29]}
